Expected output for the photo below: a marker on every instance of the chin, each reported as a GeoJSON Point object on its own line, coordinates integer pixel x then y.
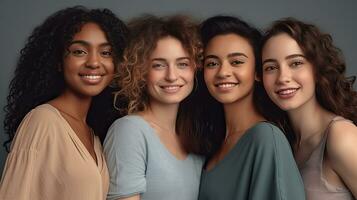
{"type": "Point", "coordinates": [225, 100]}
{"type": "Point", "coordinates": [92, 93]}
{"type": "Point", "coordinates": [287, 106]}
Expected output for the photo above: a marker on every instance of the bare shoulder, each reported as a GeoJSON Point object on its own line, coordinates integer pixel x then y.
{"type": "Point", "coordinates": [342, 140]}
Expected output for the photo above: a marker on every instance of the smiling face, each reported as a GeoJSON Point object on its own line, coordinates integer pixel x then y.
{"type": "Point", "coordinates": [88, 66]}
{"type": "Point", "coordinates": [171, 72]}
{"type": "Point", "coordinates": [229, 68]}
{"type": "Point", "coordinates": [287, 75]}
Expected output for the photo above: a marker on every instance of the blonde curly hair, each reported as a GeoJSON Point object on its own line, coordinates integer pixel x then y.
{"type": "Point", "coordinates": [145, 32]}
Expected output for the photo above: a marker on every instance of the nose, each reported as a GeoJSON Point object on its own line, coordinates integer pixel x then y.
{"type": "Point", "coordinates": [224, 71]}
{"type": "Point", "coordinates": [284, 75]}
{"type": "Point", "coordinates": [93, 61]}
{"type": "Point", "coordinates": [171, 74]}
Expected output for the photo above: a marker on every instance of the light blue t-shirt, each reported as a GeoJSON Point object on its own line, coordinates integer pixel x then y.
{"type": "Point", "coordinates": [140, 164]}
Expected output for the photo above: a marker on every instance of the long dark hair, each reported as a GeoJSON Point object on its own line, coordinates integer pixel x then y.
{"type": "Point", "coordinates": [37, 78]}
{"type": "Point", "coordinates": [334, 91]}
{"type": "Point", "coordinates": [211, 117]}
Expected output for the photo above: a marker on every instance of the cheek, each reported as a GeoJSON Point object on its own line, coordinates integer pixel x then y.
{"type": "Point", "coordinates": [246, 74]}
{"type": "Point", "coordinates": [307, 80]}
{"type": "Point", "coordinates": [111, 68]}
{"type": "Point", "coordinates": [268, 82]}
{"type": "Point", "coordinates": [208, 76]}
{"type": "Point", "coordinates": [152, 76]}
{"type": "Point", "coordinates": [189, 75]}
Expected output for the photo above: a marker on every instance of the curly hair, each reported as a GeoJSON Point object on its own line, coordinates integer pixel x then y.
{"type": "Point", "coordinates": [334, 91]}
{"type": "Point", "coordinates": [145, 32]}
{"type": "Point", "coordinates": [37, 78]}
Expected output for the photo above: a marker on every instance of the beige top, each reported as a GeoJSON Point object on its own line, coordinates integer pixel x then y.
{"type": "Point", "coordinates": [49, 162]}
{"type": "Point", "coordinates": [316, 186]}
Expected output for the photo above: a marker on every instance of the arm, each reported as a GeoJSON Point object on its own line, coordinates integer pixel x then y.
{"type": "Point", "coordinates": [22, 177]}
{"type": "Point", "coordinates": [342, 152]}
{"type": "Point", "coordinates": [125, 152]}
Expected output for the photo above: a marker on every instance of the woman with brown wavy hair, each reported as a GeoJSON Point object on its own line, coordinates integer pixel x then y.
{"type": "Point", "coordinates": [304, 75]}
{"type": "Point", "coordinates": [148, 151]}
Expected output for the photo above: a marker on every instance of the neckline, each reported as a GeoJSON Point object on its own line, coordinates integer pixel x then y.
{"type": "Point", "coordinates": [76, 138]}
{"type": "Point", "coordinates": [157, 138]}
{"type": "Point", "coordinates": [233, 150]}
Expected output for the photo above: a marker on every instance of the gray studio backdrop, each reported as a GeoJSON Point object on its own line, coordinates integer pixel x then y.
{"type": "Point", "coordinates": [18, 18]}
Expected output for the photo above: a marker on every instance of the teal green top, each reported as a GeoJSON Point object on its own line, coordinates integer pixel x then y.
{"type": "Point", "coordinates": [259, 167]}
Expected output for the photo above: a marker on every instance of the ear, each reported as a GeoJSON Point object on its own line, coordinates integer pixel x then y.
{"type": "Point", "coordinates": [256, 78]}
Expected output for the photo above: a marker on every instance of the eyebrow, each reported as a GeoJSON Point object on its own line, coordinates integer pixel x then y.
{"type": "Point", "coordinates": [294, 56]}
{"type": "Point", "coordinates": [269, 60]}
{"type": "Point", "coordinates": [85, 43]}
{"type": "Point", "coordinates": [286, 58]}
{"type": "Point", "coordinates": [236, 54]}
{"type": "Point", "coordinates": [164, 60]}
{"type": "Point", "coordinates": [229, 55]}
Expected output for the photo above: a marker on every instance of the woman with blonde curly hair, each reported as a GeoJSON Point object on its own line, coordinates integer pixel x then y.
{"type": "Point", "coordinates": [149, 151]}
{"type": "Point", "coordinates": [303, 73]}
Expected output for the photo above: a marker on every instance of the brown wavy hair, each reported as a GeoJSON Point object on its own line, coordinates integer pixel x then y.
{"type": "Point", "coordinates": [334, 91]}
{"type": "Point", "coordinates": [145, 32]}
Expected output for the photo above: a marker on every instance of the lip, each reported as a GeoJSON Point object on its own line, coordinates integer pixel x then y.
{"type": "Point", "coordinates": [171, 89]}
{"type": "Point", "coordinates": [286, 93]}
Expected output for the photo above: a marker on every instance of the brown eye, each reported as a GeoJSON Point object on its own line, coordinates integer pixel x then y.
{"type": "Point", "coordinates": [211, 64]}
{"type": "Point", "coordinates": [270, 68]}
{"type": "Point", "coordinates": [78, 52]}
{"type": "Point", "coordinates": [236, 62]}
{"type": "Point", "coordinates": [296, 63]}
{"type": "Point", "coordinates": [106, 53]}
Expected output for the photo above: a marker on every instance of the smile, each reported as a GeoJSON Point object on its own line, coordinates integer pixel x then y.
{"type": "Point", "coordinates": [287, 92]}
{"type": "Point", "coordinates": [91, 78]}
{"type": "Point", "coordinates": [225, 85]}
{"type": "Point", "coordinates": [171, 88]}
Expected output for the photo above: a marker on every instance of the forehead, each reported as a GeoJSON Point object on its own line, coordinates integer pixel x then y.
{"type": "Point", "coordinates": [91, 32]}
{"type": "Point", "coordinates": [222, 45]}
{"type": "Point", "coordinates": [169, 47]}
{"type": "Point", "coordinates": [280, 46]}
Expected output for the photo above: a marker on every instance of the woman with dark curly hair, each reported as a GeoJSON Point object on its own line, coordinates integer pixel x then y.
{"type": "Point", "coordinates": [67, 61]}
{"type": "Point", "coordinates": [250, 158]}
{"type": "Point", "coordinates": [304, 75]}
{"type": "Point", "coordinates": [149, 151]}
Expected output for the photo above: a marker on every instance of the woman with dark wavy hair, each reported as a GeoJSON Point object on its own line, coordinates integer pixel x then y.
{"type": "Point", "coordinates": [57, 98]}
{"type": "Point", "coordinates": [250, 158]}
{"type": "Point", "coordinates": [149, 151]}
{"type": "Point", "coordinates": [304, 75]}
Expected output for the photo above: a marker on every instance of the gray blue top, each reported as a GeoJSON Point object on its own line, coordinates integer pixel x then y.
{"type": "Point", "coordinates": [260, 166]}
{"type": "Point", "coordinates": [140, 164]}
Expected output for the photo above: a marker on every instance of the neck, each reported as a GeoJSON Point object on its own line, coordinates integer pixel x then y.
{"type": "Point", "coordinates": [163, 115]}
{"type": "Point", "coordinates": [241, 115]}
{"type": "Point", "coordinates": [309, 120]}
{"type": "Point", "coordinates": [76, 106]}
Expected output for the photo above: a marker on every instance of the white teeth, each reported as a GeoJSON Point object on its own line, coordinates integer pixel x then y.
{"type": "Point", "coordinates": [226, 85]}
{"type": "Point", "coordinates": [170, 87]}
{"type": "Point", "coordinates": [288, 91]}
{"type": "Point", "coordinates": [92, 77]}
